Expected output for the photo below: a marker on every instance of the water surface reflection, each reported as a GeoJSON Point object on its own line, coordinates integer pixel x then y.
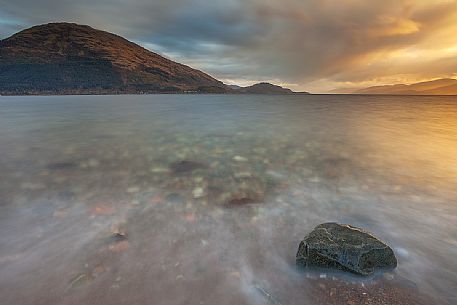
{"type": "Point", "coordinates": [203, 199]}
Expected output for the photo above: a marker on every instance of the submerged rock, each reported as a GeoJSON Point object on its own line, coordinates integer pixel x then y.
{"type": "Point", "coordinates": [240, 159]}
{"type": "Point", "coordinates": [62, 166]}
{"type": "Point", "coordinates": [344, 247]}
{"type": "Point", "coordinates": [175, 198]}
{"type": "Point", "coordinates": [198, 192]}
{"type": "Point", "coordinates": [118, 237]}
{"type": "Point", "coordinates": [239, 200]}
{"type": "Point", "coordinates": [185, 166]}
{"type": "Point", "coordinates": [244, 195]}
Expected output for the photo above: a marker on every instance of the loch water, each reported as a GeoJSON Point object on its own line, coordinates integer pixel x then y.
{"type": "Point", "coordinates": [203, 199]}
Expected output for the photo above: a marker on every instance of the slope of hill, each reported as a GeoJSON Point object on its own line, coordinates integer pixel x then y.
{"type": "Point", "coordinates": [447, 90]}
{"type": "Point", "coordinates": [342, 91]}
{"type": "Point", "coordinates": [66, 58]}
{"type": "Point", "coordinates": [445, 86]}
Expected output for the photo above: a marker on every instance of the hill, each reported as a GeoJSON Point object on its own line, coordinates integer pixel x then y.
{"type": "Point", "coordinates": [67, 58]}
{"type": "Point", "coordinates": [445, 86]}
{"type": "Point", "coordinates": [266, 88]}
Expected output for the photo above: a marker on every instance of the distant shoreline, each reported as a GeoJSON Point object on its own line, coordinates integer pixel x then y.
{"type": "Point", "coordinates": [227, 93]}
{"type": "Point", "coordinates": [160, 93]}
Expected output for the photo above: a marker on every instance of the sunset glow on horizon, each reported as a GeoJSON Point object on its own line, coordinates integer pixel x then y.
{"type": "Point", "coordinates": [306, 45]}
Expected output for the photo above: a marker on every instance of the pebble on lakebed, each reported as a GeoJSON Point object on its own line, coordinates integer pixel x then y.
{"type": "Point", "coordinates": [344, 247]}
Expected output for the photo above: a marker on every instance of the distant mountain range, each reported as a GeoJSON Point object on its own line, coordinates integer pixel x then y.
{"type": "Point", "coordinates": [445, 86]}
{"type": "Point", "coordinates": [67, 58]}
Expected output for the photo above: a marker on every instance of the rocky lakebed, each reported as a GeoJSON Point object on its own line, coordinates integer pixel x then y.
{"type": "Point", "coordinates": [209, 200]}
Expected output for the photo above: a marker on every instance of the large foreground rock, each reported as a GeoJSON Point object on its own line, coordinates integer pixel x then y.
{"type": "Point", "coordinates": [344, 247]}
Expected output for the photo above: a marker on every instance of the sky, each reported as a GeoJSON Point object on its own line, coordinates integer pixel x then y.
{"type": "Point", "coordinates": [312, 45]}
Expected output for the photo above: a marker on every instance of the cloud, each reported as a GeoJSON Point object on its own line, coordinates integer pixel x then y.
{"type": "Point", "coordinates": [316, 44]}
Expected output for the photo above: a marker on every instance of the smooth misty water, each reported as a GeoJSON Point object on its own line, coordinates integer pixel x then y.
{"type": "Point", "coordinates": [222, 227]}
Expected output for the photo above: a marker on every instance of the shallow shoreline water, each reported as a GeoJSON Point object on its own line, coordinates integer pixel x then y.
{"type": "Point", "coordinates": [183, 199]}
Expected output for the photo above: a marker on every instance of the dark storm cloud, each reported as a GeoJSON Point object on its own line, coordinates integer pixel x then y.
{"type": "Point", "coordinates": [305, 42]}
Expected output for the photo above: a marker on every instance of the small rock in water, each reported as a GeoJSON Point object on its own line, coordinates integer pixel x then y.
{"type": "Point", "coordinates": [98, 270]}
{"type": "Point", "coordinates": [118, 237]}
{"type": "Point", "coordinates": [159, 170]}
{"type": "Point", "coordinates": [101, 208]}
{"type": "Point", "coordinates": [175, 198]}
{"type": "Point", "coordinates": [93, 163]}
{"type": "Point", "coordinates": [243, 175]}
{"type": "Point", "coordinates": [240, 159]}
{"type": "Point", "coordinates": [344, 247]}
{"type": "Point", "coordinates": [62, 166]}
{"type": "Point", "coordinates": [240, 201]}
{"type": "Point", "coordinates": [198, 192]}
{"type": "Point", "coordinates": [185, 166]}
{"type": "Point", "coordinates": [133, 189]}
{"type": "Point", "coordinates": [118, 232]}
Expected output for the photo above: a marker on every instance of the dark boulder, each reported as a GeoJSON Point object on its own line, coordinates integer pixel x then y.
{"type": "Point", "coordinates": [344, 247]}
